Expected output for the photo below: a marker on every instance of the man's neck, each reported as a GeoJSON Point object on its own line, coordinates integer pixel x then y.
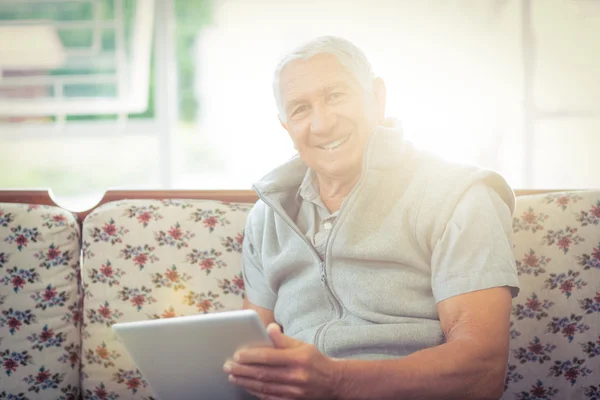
{"type": "Point", "coordinates": [333, 192]}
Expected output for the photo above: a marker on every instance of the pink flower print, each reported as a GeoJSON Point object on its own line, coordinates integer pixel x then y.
{"type": "Point", "coordinates": [239, 282]}
{"type": "Point", "coordinates": [110, 229]}
{"type": "Point", "coordinates": [536, 348]}
{"type": "Point", "coordinates": [74, 358]}
{"type": "Point", "coordinates": [534, 304]}
{"type": "Point", "coordinates": [17, 282]}
{"type": "Point", "coordinates": [531, 260]}
{"type": "Point", "coordinates": [239, 238]}
{"type": "Point", "coordinates": [58, 218]}
{"type": "Point", "coordinates": [138, 300]}
{"type": "Point", "coordinates": [101, 392]}
{"type": "Point", "coordinates": [139, 255]}
{"type": "Point", "coordinates": [144, 217]}
{"type": "Point", "coordinates": [529, 217]}
{"type": "Point", "coordinates": [539, 391]}
{"type": "Point", "coordinates": [176, 233]}
{"type": "Point", "coordinates": [134, 383]}
{"type": "Point", "coordinates": [562, 201]}
{"type": "Point", "coordinates": [563, 238]}
{"type": "Point", "coordinates": [566, 286]}
{"type": "Point", "coordinates": [22, 240]}
{"type": "Point", "coordinates": [596, 211]}
{"type": "Point", "coordinates": [53, 253]}
{"type": "Point", "coordinates": [104, 311]}
{"type": "Point", "coordinates": [569, 330]}
{"type": "Point", "coordinates": [46, 335]}
{"type": "Point", "coordinates": [77, 316]}
{"type": "Point", "coordinates": [140, 259]}
{"type": "Point", "coordinates": [10, 365]}
{"type": "Point", "coordinates": [207, 264]}
{"type": "Point", "coordinates": [106, 270]}
{"type": "Point", "coordinates": [14, 324]}
{"type": "Point", "coordinates": [42, 376]}
{"type": "Point", "coordinates": [210, 222]}
{"type": "Point", "coordinates": [572, 374]}
{"type": "Point", "coordinates": [564, 243]}
{"type": "Point", "coordinates": [204, 305]}
{"type": "Point", "coordinates": [49, 293]}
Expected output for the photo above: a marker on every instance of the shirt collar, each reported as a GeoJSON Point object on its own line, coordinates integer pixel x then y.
{"type": "Point", "coordinates": [309, 188]}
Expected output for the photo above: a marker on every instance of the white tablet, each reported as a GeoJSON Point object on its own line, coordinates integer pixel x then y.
{"type": "Point", "coordinates": [183, 357]}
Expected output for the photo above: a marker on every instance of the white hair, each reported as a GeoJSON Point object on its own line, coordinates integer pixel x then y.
{"type": "Point", "coordinates": [348, 54]}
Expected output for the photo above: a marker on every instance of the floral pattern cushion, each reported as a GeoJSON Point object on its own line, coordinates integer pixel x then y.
{"type": "Point", "coordinates": [39, 303]}
{"type": "Point", "coordinates": [145, 259]}
{"type": "Point", "coordinates": [555, 322]}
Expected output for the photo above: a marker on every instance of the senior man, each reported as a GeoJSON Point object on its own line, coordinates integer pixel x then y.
{"type": "Point", "coordinates": [389, 270]}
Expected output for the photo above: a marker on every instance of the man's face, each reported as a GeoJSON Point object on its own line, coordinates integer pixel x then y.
{"type": "Point", "coordinates": [329, 116]}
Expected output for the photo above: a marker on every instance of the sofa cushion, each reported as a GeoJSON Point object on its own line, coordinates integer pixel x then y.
{"type": "Point", "coordinates": [145, 259]}
{"type": "Point", "coordinates": [555, 322]}
{"type": "Point", "coordinates": [39, 303]}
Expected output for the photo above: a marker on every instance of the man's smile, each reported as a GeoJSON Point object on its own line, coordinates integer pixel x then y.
{"type": "Point", "coordinates": [335, 144]}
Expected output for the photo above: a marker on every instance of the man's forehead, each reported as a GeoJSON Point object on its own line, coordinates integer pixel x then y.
{"type": "Point", "coordinates": [323, 71]}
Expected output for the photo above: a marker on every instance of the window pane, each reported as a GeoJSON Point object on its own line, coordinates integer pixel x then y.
{"type": "Point", "coordinates": [566, 154]}
{"type": "Point", "coordinates": [567, 54]}
{"type": "Point", "coordinates": [78, 170]}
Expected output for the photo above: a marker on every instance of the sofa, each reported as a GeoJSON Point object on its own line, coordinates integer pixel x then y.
{"type": "Point", "coordinates": [66, 277]}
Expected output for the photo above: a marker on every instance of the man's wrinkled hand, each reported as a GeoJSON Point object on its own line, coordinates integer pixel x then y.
{"type": "Point", "coordinates": [291, 370]}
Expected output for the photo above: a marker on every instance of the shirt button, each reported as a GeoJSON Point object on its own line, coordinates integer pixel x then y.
{"type": "Point", "coordinates": [327, 225]}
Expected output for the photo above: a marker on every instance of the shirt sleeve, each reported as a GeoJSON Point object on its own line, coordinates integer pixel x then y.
{"type": "Point", "coordinates": [256, 286]}
{"type": "Point", "coordinates": [475, 252]}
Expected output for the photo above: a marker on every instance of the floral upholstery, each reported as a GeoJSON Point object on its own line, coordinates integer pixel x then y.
{"type": "Point", "coordinates": [555, 322]}
{"type": "Point", "coordinates": [152, 259]}
{"type": "Point", "coordinates": [39, 303]}
{"type": "Point", "coordinates": [157, 259]}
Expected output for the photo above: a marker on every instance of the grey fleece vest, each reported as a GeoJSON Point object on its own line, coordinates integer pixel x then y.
{"type": "Point", "coordinates": [371, 298]}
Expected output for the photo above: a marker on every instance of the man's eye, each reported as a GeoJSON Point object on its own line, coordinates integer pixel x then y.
{"type": "Point", "coordinates": [336, 96]}
{"type": "Point", "coordinates": [299, 110]}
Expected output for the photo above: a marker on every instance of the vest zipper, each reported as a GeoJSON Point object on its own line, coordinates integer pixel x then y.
{"type": "Point", "coordinates": [322, 271]}
{"type": "Point", "coordinates": [333, 300]}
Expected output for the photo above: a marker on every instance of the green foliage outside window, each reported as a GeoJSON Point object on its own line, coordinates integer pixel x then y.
{"type": "Point", "coordinates": [191, 16]}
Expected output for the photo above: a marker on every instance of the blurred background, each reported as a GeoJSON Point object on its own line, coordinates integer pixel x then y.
{"type": "Point", "coordinates": [98, 94]}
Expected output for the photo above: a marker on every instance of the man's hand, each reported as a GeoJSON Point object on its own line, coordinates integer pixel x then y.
{"type": "Point", "coordinates": [290, 370]}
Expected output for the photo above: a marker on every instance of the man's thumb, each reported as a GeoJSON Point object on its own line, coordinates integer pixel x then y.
{"type": "Point", "coordinates": [280, 341]}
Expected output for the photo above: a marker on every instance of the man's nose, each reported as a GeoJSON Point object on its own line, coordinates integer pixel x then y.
{"type": "Point", "coordinates": [322, 120]}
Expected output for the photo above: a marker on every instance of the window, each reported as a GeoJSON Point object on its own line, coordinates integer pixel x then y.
{"type": "Point", "coordinates": [496, 83]}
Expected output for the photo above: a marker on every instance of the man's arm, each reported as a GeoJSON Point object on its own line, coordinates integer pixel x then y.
{"type": "Point", "coordinates": [266, 315]}
{"type": "Point", "coordinates": [470, 365]}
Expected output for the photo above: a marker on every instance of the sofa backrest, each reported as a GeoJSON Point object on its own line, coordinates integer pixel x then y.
{"type": "Point", "coordinates": [154, 259]}
{"type": "Point", "coordinates": [145, 259]}
{"type": "Point", "coordinates": [555, 322]}
{"type": "Point", "coordinates": [40, 313]}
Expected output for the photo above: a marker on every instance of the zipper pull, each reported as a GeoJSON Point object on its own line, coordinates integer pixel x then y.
{"type": "Point", "coordinates": [322, 265]}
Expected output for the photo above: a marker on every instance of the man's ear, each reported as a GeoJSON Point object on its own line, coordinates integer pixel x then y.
{"type": "Point", "coordinates": [380, 97]}
{"type": "Point", "coordinates": [282, 123]}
